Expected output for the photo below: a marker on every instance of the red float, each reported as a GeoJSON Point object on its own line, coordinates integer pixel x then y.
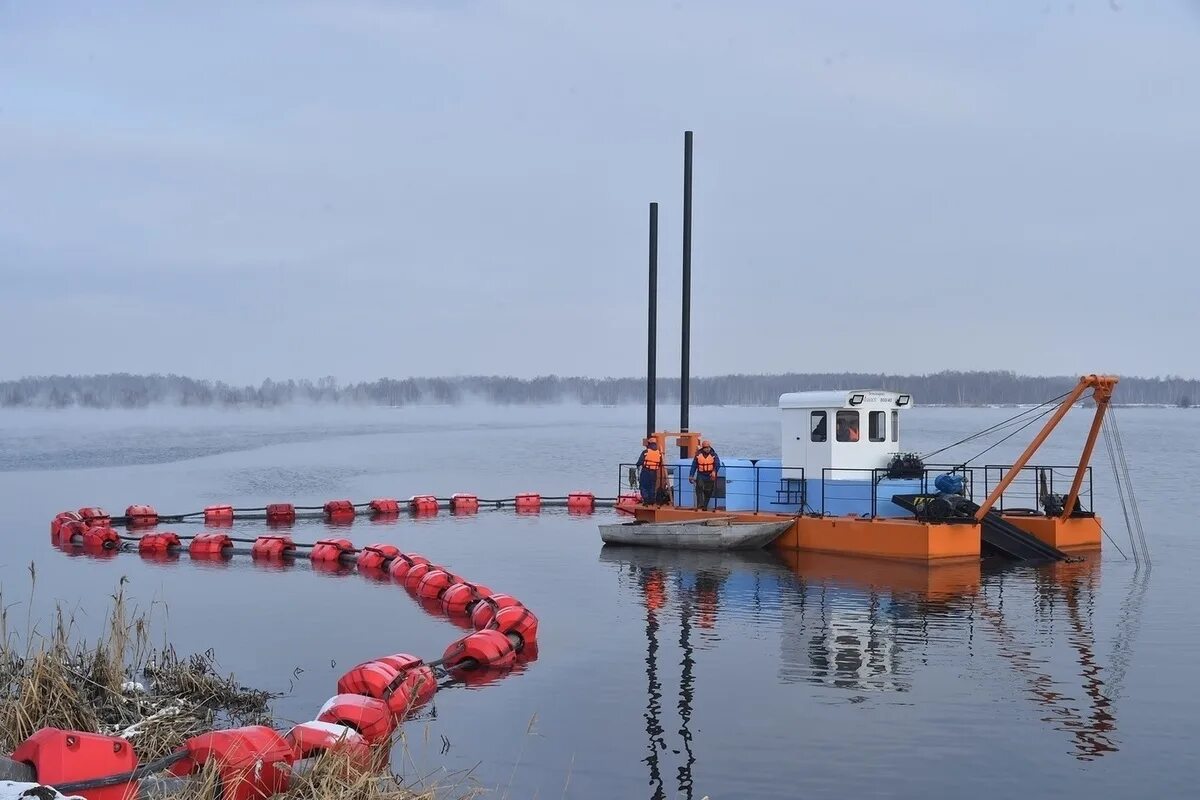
{"type": "Point", "coordinates": [331, 550]}
{"type": "Point", "coordinates": [529, 502]}
{"type": "Point", "coordinates": [158, 542]}
{"type": "Point", "coordinates": [581, 502]}
{"type": "Point", "coordinates": [460, 598]}
{"type": "Point", "coordinates": [516, 621]}
{"type": "Point", "coordinates": [61, 519]}
{"type": "Point", "coordinates": [61, 757]}
{"type": "Point", "coordinates": [403, 563]}
{"type": "Point", "coordinates": [435, 582]}
{"type": "Point", "coordinates": [416, 573]}
{"type": "Point", "coordinates": [253, 762]}
{"type": "Point", "coordinates": [385, 507]}
{"type": "Point", "coordinates": [141, 516]}
{"type": "Point", "coordinates": [210, 545]}
{"type": "Point", "coordinates": [403, 681]}
{"type": "Point", "coordinates": [272, 548]}
{"type": "Point", "coordinates": [461, 503]}
{"type": "Point", "coordinates": [376, 556]}
{"type": "Point", "coordinates": [311, 739]}
{"type": "Point", "coordinates": [367, 715]}
{"type": "Point", "coordinates": [281, 513]}
{"type": "Point", "coordinates": [94, 515]}
{"type": "Point", "coordinates": [339, 510]}
{"type": "Point", "coordinates": [486, 648]}
{"type": "Point", "coordinates": [218, 515]}
{"type": "Point", "coordinates": [423, 504]}
{"type": "Point", "coordinates": [485, 610]}
{"type": "Point", "coordinates": [101, 538]}
{"type": "Point", "coordinates": [626, 503]}
{"type": "Point", "coordinates": [69, 529]}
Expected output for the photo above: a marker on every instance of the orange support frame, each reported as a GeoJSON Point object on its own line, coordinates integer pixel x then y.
{"type": "Point", "coordinates": [1102, 388]}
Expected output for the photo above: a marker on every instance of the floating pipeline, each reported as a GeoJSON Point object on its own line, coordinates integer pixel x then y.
{"type": "Point", "coordinates": [372, 700]}
{"type": "Point", "coordinates": [345, 511]}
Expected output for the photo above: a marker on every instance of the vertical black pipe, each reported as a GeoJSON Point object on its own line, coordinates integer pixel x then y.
{"type": "Point", "coordinates": [652, 324]}
{"type": "Point", "coordinates": [685, 345]}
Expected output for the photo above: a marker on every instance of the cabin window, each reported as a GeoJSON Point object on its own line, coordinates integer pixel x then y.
{"type": "Point", "coordinates": [877, 423]}
{"type": "Point", "coordinates": [817, 423]}
{"type": "Point", "coordinates": [847, 426]}
{"type": "Point", "coordinates": [895, 426]}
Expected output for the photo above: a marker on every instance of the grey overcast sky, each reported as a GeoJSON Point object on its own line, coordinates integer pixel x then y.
{"type": "Point", "coordinates": [361, 189]}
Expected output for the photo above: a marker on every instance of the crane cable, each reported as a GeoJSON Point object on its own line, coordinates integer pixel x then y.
{"type": "Point", "coordinates": [998, 426]}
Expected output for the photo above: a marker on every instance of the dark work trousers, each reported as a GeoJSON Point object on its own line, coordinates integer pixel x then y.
{"type": "Point", "coordinates": [648, 480]}
{"type": "Point", "coordinates": [705, 486]}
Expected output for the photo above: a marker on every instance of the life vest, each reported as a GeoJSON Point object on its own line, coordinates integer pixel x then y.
{"type": "Point", "coordinates": [652, 459]}
{"type": "Point", "coordinates": [705, 464]}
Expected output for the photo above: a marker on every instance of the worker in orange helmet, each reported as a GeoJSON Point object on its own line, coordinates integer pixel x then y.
{"type": "Point", "coordinates": [705, 466]}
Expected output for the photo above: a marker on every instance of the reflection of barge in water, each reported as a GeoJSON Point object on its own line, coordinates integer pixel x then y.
{"type": "Point", "coordinates": [846, 485]}
{"type": "Point", "coordinates": [866, 625]}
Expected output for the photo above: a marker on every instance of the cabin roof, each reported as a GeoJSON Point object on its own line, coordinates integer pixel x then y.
{"type": "Point", "coordinates": [840, 398]}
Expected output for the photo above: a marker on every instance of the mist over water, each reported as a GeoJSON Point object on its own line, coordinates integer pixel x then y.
{"type": "Point", "coordinates": [658, 674]}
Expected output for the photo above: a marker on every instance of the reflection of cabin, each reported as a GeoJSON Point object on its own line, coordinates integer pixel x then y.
{"type": "Point", "coordinates": [830, 443]}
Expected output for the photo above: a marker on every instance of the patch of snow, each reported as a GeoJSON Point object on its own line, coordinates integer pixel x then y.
{"type": "Point", "coordinates": [16, 790]}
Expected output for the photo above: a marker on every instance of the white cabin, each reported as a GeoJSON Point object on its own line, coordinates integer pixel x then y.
{"type": "Point", "coordinates": [842, 431]}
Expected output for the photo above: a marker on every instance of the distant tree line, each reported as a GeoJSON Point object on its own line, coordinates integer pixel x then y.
{"type": "Point", "coordinates": [943, 388]}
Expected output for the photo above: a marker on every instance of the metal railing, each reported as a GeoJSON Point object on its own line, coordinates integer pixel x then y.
{"type": "Point", "coordinates": [782, 489]}
{"type": "Point", "coordinates": [1033, 483]}
{"type": "Point", "coordinates": [854, 485]}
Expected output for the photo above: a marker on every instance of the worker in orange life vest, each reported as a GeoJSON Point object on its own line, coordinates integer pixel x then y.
{"type": "Point", "coordinates": [704, 474]}
{"type": "Point", "coordinates": [650, 462]}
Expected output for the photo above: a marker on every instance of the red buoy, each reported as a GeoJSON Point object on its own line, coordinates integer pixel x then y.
{"type": "Point", "coordinates": [485, 610]}
{"type": "Point", "coordinates": [529, 502]}
{"type": "Point", "coordinates": [339, 511]}
{"type": "Point", "coordinates": [68, 529]}
{"type": "Point", "coordinates": [59, 520]}
{"type": "Point", "coordinates": [423, 504]}
{"type": "Point", "coordinates": [403, 681]}
{"type": "Point", "coordinates": [272, 548]}
{"type": "Point", "coordinates": [581, 502]}
{"type": "Point", "coordinates": [517, 621]}
{"type": "Point", "coordinates": [487, 648]}
{"type": "Point", "coordinates": [94, 515]}
{"type": "Point", "coordinates": [403, 562]}
{"type": "Point", "coordinates": [311, 739]}
{"type": "Point", "coordinates": [367, 715]}
{"type": "Point", "coordinates": [460, 598]}
{"type": "Point", "coordinates": [218, 516]}
{"type": "Point", "coordinates": [61, 757]}
{"type": "Point", "coordinates": [330, 550]}
{"type": "Point", "coordinates": [280, 513]}
{"type": "Point", "coordinates": [434, 583]}
{"type": "Point", "coordinates": [253, 762]}
{"type": "Point", "coordinates": [141, 516]}
{"type": "Point", "coordinates": [415, 573]}
{"type": "Point", "coordinates": [101, 538]}
{"type": "Point", "coordinates": [462, 503]}
{"type": "Point", "coordinates": [385, 507]}
{"type": "Point", "coordinates": [626, 503]}
{"type": "Point", "coordinates": [160, 542]}
{"type": "Point", "coordinates": [376, 556]}
{"type": "Point", "coordinates": [209, 545]}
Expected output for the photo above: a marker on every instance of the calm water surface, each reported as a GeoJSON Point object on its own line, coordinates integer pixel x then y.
{"type": "Point", "coordinates": [659, 674]}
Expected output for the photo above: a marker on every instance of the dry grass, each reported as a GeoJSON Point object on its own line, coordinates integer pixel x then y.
{"type": "Point", "coordinates": [58, 679]}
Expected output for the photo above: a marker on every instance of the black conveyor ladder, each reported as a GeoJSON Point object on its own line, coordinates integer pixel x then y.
{"type": "Point", "coordinates": [1001, 537]}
